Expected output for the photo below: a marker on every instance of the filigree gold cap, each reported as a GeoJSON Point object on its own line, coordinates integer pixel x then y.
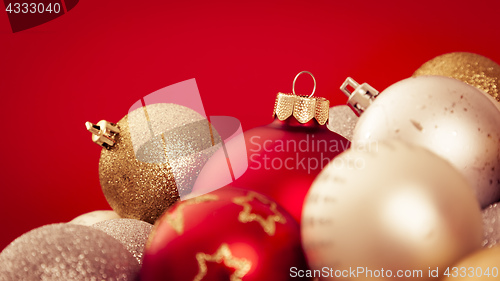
{"type": "Point", "coordinates": [303, 108]}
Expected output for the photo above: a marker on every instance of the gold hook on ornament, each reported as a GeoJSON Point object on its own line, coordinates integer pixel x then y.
{"type": "Point", "coordinates": [103, 133]}
{"type": "Point", "coordinates": [297, 76]}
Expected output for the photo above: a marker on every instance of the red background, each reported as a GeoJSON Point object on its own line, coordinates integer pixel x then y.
{"type": "Point", "coordinates": [95, 61]}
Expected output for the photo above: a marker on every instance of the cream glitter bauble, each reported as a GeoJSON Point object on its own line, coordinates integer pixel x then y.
{"type": "Point", "coordinates": [133, 234]}
{"type": "Point", "coordinates": [94, 217]}
{"type": "Point", "coordinates": [454, 120]}
{"type": "Point", "coordinates": [342, 120]}
{"type": "Point", "coordinates": [67, 252]}
{"type": "Point", "coordinates": [158, 154]}
{"type": "Point", "coordinates": [393, 206]}
{"type": "Point", "coordinates": [491, 226]}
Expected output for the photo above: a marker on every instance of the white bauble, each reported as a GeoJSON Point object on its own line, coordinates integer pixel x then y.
{"type": "Point", "coordinates": [454, 120]}
{"type": "Point", "coordinates": [90, 218]}
{"type": "Point", "coordinates": [482, 265]}
{"type": "Point", "coordinates": [393, 206]}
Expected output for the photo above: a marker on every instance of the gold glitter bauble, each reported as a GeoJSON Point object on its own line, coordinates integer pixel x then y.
{"type": "Point", "coordinates": [158, 154]}
{"type": "Point", "coordinates": [473, 69]}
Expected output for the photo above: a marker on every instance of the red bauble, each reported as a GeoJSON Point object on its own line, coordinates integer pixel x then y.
{"type": "Point", "coordinates": [226, 235]}
{"type": "Point", "coordinates": [282, 159]}
{"type": "Point", "coordinates": [285, 157]}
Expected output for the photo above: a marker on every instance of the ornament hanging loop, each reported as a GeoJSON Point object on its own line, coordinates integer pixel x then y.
{"type": "Point", "coordinates": [297, 76]}
{"type": "Point", "coordinates": [362, 96]}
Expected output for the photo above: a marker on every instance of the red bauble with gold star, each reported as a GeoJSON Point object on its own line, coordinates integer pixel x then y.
{"type": "Point", "coordinates": [285, 157]}
{"type": "Point", "coordinates": [227, 235]}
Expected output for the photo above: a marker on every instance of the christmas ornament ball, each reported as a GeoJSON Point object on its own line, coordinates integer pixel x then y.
{"type": "Point", "coordinates": [392, 206]}
{"type": "Point", "coordinates": [67, 252]}
{"type": "Point", "coordinates": [285, 156]}
{"type": "Point", "coordinates": [473, 69]}
{"type": "Point", "coordinates": [342, 120]}
{"type": "Point", "coordinates": [480, 265]}
{"type": "Point", "coordinates": [229, 234]}
{"type": "Point", "coordinates": [282, 158]}
{"type": "Point", "coordinates": [94, 217]}
{"type": "Point", "coordinates": [491, 225]}
{"type": "Point", "coordinates": [133, 234]}
{"type": "Point", "coordinates": [454, 120]}
{"type": "Point", "coordinates": [156, 157]}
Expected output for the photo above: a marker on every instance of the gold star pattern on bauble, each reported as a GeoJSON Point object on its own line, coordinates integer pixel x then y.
{"type": "Point", "coordinates": [269, 223]}
{"type": "Point", "coordinates": [223, 255]}
{"type": "Point", "coordinates": [176, 218]}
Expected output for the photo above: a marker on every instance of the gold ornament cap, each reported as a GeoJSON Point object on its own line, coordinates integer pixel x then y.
{"type": "Point", "coordinates": [303, 108]}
